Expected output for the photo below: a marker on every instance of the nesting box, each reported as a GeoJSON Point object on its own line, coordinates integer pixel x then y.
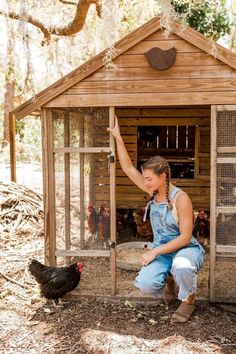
{"type": "Point", "coordinates": [181, 107]}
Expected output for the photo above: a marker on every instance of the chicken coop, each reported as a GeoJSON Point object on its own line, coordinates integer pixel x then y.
{"type": "Point", "coordinates": [173, 98]}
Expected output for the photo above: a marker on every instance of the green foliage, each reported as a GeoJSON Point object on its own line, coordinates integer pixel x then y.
{"type": "Point", "coordinates": [28, 137]}
{"type": "Point", "coordinates": [208, 18]}
{"type": "Point", "coordinates": [20, 125]}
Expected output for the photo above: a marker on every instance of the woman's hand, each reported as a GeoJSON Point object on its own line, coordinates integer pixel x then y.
{"type": "Point", "coordinates": [115, 131]}
{"type": "Point", "coordinates": [148, 257]}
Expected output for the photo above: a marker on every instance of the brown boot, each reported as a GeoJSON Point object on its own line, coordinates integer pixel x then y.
{"type": "Point", "coordinates": [183, 313]}
{"type": "Point", "coordinates": [170, 290]}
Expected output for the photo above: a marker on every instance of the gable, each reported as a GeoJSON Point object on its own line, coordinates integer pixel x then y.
{"type": "Point", "coordinates": [195, 77]}
{"type": "Point", "coordinates": [87, 71]}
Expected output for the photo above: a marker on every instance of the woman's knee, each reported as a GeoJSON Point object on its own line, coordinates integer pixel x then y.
{"type": "Point", "coordinates": [182, 268]}
{"type": "Point", "coordinates": [149, 285]}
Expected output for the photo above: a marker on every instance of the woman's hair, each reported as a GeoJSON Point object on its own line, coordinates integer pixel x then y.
{"type": "Point", "coordinates": [159, 165]}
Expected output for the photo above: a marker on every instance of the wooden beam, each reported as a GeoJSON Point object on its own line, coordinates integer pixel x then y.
{"type": "Point", "coordinates": [226, 209]}
{"type": "Point", "coordinates": [67, 183]}
{"type": "Point", "coordinates": [226, 108]}
{"type": "Point", "coordinates": [226, 149]}
{"type": "Point", "coordinates": [143, 99]}
{"type": "Point", "coordinates": [48, 188]}
{"type": "Point", "coordinates": [213, 212]}
{"type": "Point", "coordinates": [12, 137]}
{"type": "Point", "coordinates": [112, 166]}
{"type": "Point", "coordinates": [79, 150]}
{"type": "Point", "coordinates": [82, 253]}
{"type": "Point", "coordinates": [226, 249]}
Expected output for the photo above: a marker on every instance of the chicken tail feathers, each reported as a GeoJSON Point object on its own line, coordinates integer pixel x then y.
{"type": "Point", "coordinates": [37, 269]}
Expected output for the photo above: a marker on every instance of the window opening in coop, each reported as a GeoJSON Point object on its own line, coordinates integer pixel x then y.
{"type": "Point", "coordinates": [175, 143]}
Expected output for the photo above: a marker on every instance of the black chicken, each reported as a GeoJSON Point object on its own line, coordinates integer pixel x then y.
{"type": "Point", "coordinates": [56, 282]}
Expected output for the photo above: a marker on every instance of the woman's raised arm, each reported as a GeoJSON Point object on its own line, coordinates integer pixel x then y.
{"type": "Point", "coordinates": [125, 161]}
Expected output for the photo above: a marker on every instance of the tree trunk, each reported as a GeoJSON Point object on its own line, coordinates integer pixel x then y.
{"type": "Point", "coordinates": [8, 106]}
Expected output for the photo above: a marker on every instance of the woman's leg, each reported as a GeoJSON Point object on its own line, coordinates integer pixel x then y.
{"type": "Point", "coordinates": [186, 264]}
{"type": "Point", "coordinates": [151, 278]}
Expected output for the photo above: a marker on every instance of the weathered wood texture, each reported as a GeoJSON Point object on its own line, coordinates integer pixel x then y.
{"type": "Point", "coordinates": [195, 78]}
{"type": "Point", "coordinates": [127, 194]}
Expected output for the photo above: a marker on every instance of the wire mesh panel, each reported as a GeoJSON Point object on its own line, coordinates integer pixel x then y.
{"type": "Point", "coordinates": [223, 232]}
{"type": "Point", "coordinates": [82, 192]}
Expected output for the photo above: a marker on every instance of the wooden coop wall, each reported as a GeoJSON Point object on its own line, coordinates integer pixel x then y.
{"type": "Point", "coordinates": [195, 78]}
{"type": "Point", "coordinates": [198, 188]}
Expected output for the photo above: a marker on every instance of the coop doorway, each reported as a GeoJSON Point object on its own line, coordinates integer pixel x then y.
{"type": "Point", "coordinates": [181, 134]}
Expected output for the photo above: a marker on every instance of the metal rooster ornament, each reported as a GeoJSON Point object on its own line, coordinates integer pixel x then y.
{"type": "Point", "coordinates": [161, 59]}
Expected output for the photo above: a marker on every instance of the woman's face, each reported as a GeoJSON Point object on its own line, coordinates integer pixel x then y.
{"type": "Point", "coordinates": [152, 181]}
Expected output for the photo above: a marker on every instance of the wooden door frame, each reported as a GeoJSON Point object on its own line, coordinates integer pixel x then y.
{"type": "Point", "coordinates": [214, 209]}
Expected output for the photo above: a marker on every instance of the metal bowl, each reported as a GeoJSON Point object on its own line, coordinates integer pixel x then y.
{"type": "Point", "coordinates": [130, 264]}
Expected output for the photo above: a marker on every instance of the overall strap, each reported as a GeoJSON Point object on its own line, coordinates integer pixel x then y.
{"type": "Point", "coordinates": [174, 211]}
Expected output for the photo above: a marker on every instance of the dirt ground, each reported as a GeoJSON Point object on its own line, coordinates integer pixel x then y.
{"type": "Point", "coordinates": [28, 324]}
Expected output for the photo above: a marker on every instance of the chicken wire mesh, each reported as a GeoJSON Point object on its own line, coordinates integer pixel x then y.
{"type": "Point", "coordinates": [226, 176]}
{"type": "Point", "coordinates": [82, 180]}
{"type": "Point", "coordinates": [225, 285]}
{"type": "Point", "coordinates": [226, 128]}
{"type": "Point", "coordinates": [226, 229]}
{"type": "Point", "coordinates": [226, 184]}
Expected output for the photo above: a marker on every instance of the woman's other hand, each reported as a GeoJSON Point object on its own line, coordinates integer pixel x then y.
{"type": "Point", "coordinates": [148, 257]}
{"type": "Point", "coordinates": [115, 131]}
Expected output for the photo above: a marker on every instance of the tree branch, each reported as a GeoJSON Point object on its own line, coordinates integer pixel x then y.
{"type": "Point", "coordinates": [73, 27]}
{"type": "Point", "coordinates": [68, 2]}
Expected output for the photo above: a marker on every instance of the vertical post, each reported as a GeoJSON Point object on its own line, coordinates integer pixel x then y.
{"type": "Point", "coordinates": [112, 203]}
{"type": "Point", "coordinates": [81, 181]}
{"type": "Point", "coordinates": [213, 213]}
{"type": "Point", "coordinates": [67, 181]}
{"type": "Point", "coordinates": [197, 148]}
{"type": "Point", "coordinates": [12, 137]}
{"type": "Point", "coordinates": [48, 188]}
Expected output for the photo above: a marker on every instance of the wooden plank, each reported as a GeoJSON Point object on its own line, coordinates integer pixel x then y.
{"type": "Point", "coordinates": [180, 45]}
{"type": "Point", "coordinates": [112, 196]}
{"type": "Point", "coordinates": [165, 121]}
{"type": "Point", "coordinates": [226, 149]}
{"type": "Point", "coordinates": [226, 209]}
{"type": "Point", "coordinates": [65, 150]}
{"type": "Point", "coordinates": [161, 36]}
{"type": "Point", "coordinates": [144, 99]}
{"type": "Point", "coordinates": [149, 73]}
{"type": "Point", "coordinates": [82, 253]}
{"type": "Point", "coordinates": [226, 249]}
{"type": "Point", "coordinates": [12, 141]}
{"type": "Point", "coordinates": [213, 206]}
{"type": "Point", "coordinates": [226, 108]}
{"type": "Point", "coordinates": [182, 59]}
{"type": "Point", "coordinates": [170, 85]}
{"type": "Point", "coordinates": [67, 183]}
{"type": "Point", "coordinates": [226, 160]}
{"type": "Point", "coordinates": [48, 188]}
{"type": "Point", "coordinates": [164, 112]}
{"type": "Point", "coordinates": [81, 182]}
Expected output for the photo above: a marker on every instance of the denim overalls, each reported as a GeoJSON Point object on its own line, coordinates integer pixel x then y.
{"type": "Point", "coordinates": [183, 264]}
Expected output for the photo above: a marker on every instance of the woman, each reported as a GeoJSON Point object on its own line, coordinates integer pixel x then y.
{"type": "Point", "coordinates": [176, 256]}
